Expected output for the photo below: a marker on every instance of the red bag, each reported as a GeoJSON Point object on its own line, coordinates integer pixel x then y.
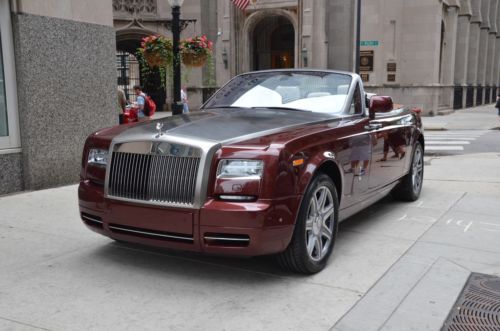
{"type": "Point", "coordinates": [149, 106]}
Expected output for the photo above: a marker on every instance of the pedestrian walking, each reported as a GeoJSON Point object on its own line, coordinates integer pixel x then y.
{"type": "Point", "coordinates": [141, 101]}
{"type": "Point", "coordinates": [122, 104]}
{"type": "Point", "coordinates": [497, 105]}
{"type": "Point", "coordinates": [184, 99]}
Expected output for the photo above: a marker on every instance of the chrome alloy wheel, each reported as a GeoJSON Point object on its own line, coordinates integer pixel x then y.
{"type": "Point", "coordinates": [319, 223]}
{"type": "Point", "coordinates": [417, 170]}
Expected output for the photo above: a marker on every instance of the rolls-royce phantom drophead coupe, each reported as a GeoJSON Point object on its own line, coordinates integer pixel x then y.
{"type": "Point", "coordinates": [270, 165]}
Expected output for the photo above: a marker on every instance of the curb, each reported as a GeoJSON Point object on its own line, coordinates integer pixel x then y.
{"type": "Point", "coordinates": [436, 128]}
{"type": "Point", "coordinates": [445, 112]}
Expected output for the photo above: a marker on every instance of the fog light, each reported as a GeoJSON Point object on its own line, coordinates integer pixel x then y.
{"type": "Point", "coordinates": [237, 197]}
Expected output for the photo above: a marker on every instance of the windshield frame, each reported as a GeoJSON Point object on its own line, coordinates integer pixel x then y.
{"type": "Point", "coordinates": [355, 79]}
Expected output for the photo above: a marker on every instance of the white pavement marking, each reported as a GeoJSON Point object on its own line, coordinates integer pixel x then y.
{"type": "Point", "coordinates": [472, 132]}
{"type": "Point", "coordinates": [468, 226]}
{"type": "Point", "coordinates": [442, 142]}
{"type": "Point", "coordinates": [445, 133]}
{"type": "Point", "coordinates": [444, 148]}
{"type": "Point", "coordinates": [451, 140]}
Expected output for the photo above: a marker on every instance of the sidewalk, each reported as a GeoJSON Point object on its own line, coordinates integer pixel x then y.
{"type": "Point", "coordinates": [396, 266]}
{"type": "Point", "coordinates": [476, 118]}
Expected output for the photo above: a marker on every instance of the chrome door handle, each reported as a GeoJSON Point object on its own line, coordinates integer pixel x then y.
{"type": "Point", "coordinates": [373, 126]}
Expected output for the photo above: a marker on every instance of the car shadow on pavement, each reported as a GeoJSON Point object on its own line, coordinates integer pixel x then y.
{"type": "Point", "coordinates": [187, 264]}
{"type": "Point", "coordinates": [385, 205]}
{"type": "Point", "coordinates": [225, 268]}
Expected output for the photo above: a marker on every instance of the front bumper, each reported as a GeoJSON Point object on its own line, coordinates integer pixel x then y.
{"type": "Point", "coordinates": [242, 229]}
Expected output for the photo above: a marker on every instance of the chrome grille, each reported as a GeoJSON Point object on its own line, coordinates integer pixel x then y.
{"type": "Point", "coordinates": [150, 177]}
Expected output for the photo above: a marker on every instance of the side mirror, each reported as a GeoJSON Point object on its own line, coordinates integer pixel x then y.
{"type": "Point", "coordinates": [380, 104]}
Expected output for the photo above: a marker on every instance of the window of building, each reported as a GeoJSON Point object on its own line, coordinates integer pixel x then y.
{"type": "Point", "coordinates": [9, 127]}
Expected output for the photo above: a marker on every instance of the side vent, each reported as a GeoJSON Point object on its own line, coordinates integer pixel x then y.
{"type": "Point", "coordinates": [226, 239]}
{"type": "Point", "coordinates": [92, 220]}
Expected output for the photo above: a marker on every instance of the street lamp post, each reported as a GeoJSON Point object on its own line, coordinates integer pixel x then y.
{"type": "Point", "coordinates": [358, 35]}
{"type": "Point", "coordinates": [176, 30]}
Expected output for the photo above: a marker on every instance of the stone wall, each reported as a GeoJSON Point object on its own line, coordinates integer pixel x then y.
{"type": "Point", "coordinates": [66, 80]}
{"type": "Point", "coordinates": [11, 179]}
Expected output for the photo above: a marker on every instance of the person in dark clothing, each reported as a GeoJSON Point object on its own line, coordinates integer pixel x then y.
{"type": "Point", "coordinates": [497, 105]}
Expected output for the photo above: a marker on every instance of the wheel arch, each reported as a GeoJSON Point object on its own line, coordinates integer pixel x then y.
{"type": "Point", "coordinates": [332, 170]}
{"type": "Point", "coordinates": [328, 167]}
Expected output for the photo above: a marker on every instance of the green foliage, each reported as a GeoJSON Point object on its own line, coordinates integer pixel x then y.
{"type": "Point", "coordinates": [147, 72]}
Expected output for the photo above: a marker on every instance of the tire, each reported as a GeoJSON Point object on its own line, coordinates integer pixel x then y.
{"type": "Point", "coordinates": [411, 185]}
{"type": "Point", "coordinates": [315, 231]}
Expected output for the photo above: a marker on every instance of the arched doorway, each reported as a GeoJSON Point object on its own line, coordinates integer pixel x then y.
{"type": "Point", "coordinates": [273, 44]}
{"type": "Point", "coordinates": [129, 69]}
{"type": "Point", "coordinates": [128, 73]}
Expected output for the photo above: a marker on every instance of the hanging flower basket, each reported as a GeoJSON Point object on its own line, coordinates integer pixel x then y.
{"type": "Point", "coordinates": [195, 51]}
{"type": "Point", "coordinates": [194, 60]}
{"type": "Point", "coordinates": [155, 59]}
{"type": "Point", "coordinates": [157, 51]}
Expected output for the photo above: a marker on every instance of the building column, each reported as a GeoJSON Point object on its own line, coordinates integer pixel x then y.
{"type": "Point", "coordinates": [341, 34]}
{"type": "Point", "coordinates": [307, 52]}
{"type": "Point", "coordinates": [496, 71]}
{"type": "Point", "coordinates": [448, 56]}
{"type": "Point", "coordinates": [472, 61]}
{"type": "Point", "coordinates": [319, 42]}
{"type": "Point", "coordinates": [462, 54]}
{"type": "Point", "coordinates": [490, 65]}
{"type": "Point", "coordinates": [483, 51]}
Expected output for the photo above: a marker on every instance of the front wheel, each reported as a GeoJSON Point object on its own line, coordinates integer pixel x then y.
{"type": "Point", "coordinates": [316, 229]}
{"type": "Point", "coordinates": [411, 184]}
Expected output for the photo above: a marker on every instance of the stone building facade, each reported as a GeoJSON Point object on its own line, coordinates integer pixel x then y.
{"type": "Point", "coordinates": [61, 61]}
{"type": "Point", "coordinates": [268, 34]}
{"type": "Point", "coordinates": [57, 85]}
{"type": "Point", "coordinates": [436, 55]}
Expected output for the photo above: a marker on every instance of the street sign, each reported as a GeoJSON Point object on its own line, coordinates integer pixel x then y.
{"type": "Point", "coordinates": [368, 43]}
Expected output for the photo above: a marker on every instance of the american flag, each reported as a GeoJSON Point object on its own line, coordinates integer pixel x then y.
{"type": "Point", "coordinates": [241, 4]}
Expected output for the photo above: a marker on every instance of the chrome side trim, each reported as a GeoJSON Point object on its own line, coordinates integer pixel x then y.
{"type": "Point", "coordinates": [226, 238]}
{"type": "Point", "coordinates": [153, 234]}
{"type": "Point", "coordinates": [90, 219]}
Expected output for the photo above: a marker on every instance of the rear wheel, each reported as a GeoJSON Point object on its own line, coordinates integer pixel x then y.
{"type": "Point", "coordinates": [411, 185]}
{"type": "Point", "coordinates": [316, 229]}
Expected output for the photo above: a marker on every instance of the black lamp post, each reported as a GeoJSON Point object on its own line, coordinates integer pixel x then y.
{"type": "Point", "coordinates": [358, 35]}
{"type": "Point", "coordinates": [176, 31]}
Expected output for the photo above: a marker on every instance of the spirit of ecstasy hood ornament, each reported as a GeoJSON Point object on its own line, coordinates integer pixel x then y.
{"type": "Point", "coordinates": [159, 126]}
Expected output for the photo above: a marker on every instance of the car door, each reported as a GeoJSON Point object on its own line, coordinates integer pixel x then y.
{"type": "Point", "coordinates": [358, 153]}
{"type": "Point", "coordinates": [390, 148]}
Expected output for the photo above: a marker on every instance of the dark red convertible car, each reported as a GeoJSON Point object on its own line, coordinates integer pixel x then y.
{"type": "Point", "coordinates": [270, 165]}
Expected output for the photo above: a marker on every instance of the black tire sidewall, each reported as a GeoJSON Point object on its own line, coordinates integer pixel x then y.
{"type": "Point", "coordinates": [416, 194]}
{"type": "Point", "coordinates": [300, 228]}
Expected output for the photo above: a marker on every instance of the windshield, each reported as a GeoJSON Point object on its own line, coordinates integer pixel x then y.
{"type": "Point", "coordinates": [319, 92]}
